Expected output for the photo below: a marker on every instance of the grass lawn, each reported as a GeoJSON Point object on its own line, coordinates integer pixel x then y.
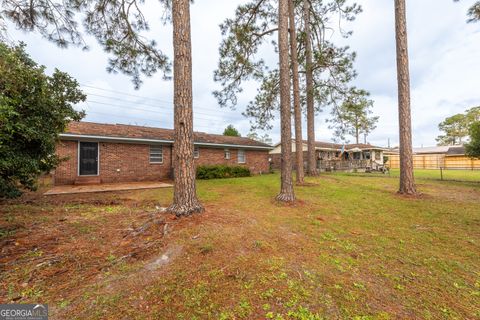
{"type": "Point", "coordinates": [429, 174]}
{"type": "Point", "coordinates": [453, 175]}
{"type": "Point", "coordinates": [351, 248]}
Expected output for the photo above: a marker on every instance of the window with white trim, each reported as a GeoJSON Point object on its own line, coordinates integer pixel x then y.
{"type": "Point", "coordinates": [196, 152]}
{"type": "Point", "coordinates": [227, 154]}
{"type": "Point", "coordinates": [156, 154]}
{"type": "Point", "coordinates": [241, 156]}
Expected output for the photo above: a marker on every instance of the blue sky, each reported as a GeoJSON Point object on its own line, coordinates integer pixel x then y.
{"type": "Point", "coordinates": [444, 52]}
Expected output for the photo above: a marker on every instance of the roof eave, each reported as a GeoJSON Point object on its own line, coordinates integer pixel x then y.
{"type": "Point", "coordinates": [73, 136]}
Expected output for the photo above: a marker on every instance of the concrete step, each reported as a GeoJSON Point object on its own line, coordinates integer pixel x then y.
{"type": "Point", "coordinates": [87, 180]}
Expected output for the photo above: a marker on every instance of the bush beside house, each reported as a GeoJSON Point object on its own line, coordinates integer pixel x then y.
{"type": "Point", "coordinates": [221, 172]}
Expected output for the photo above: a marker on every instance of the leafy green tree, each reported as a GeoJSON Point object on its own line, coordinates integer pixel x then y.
{"type": "Point", "coordinates": [231, 131]}
{"type": "Point", "coordinates": [353, 117]}
{"type": "Point", "coordinates": [473, 115]}
{"type": "Point", "coordinates": [472, 149]}
{"type": "Point", "coordinates": [120, 28]}
{"type": "Point", "coordinates": [34, 109]}
{"type": "Point", "coordinates": [456, 127]}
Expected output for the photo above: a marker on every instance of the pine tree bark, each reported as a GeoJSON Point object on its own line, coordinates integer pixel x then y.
{"type": "Point", "coordinates": [407, 181]}
{"type": "Point", "coordinates": [185, 200]}
{"type": "Point", "coordinates": [311, 153]}
{"type": "Point", "coordinates": [286, 192]}
{"type": "Point", "coordinates": [300, 176]}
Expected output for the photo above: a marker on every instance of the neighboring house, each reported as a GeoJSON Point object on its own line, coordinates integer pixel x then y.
{"type": "Point", "coordinates": [448, 157]}
{"type": "Point", "coordinates": [334, 156]}
{"type": "Point", "coordinates": [100, 153]}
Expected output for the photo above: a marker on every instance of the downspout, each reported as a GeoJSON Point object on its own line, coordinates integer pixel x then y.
{"type": "Point", "coordinates": [172, 170]}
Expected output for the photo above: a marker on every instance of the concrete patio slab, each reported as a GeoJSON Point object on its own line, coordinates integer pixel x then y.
{"type": "Point", "coordinates": [105, 187]}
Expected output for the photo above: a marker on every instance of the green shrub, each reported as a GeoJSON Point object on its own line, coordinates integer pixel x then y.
{"type": "Point", "coordinates": [221, 172]}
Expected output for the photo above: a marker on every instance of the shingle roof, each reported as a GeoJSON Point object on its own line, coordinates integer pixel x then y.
{"type": "Point", "coordinates": [456, 151]}
{"type": "Point", "coordinates": [441, 149]}
{"type": "Point", "coordinates": [151, 133]}
{"type": "Point", "coordinates": [326, 145]}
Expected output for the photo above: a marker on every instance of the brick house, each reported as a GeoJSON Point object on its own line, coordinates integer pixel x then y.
{"type": "Point", "coordinates": [105, 153]}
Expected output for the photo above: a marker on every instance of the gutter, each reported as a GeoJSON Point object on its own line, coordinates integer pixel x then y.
{"type": "Point", "coordinates": [72, 136]}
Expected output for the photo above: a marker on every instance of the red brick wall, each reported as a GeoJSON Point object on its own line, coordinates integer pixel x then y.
{"type": "Point", "coordinates": [276, 160]}
{"type": "Point", "coordinates": [124, 162]}
{"type": "Point", "coordinates": [119, 162]}
{"type": "Point", "coordinates": [256, 161]}
{"type": "Point", "coordinates": [67, 170]}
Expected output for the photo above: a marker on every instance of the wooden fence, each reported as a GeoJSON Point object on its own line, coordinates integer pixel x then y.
{"type": "Point", "coordinates": [436, 161]}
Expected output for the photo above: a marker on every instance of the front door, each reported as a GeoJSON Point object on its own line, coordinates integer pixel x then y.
{"type": "Point", "coordinates": [88, 159]}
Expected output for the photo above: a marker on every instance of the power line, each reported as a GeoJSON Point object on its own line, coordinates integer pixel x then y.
{"type": "Point", "coordinates": [136, 118]}
{"type": "Point", "coordinates": [169, 110]}
{"type": "Point", "coordinates": [125, 94]}
{"type": "Point", "coordinates": [141, 97]}
{"type": "Point", "coordinates": [169, 107]}
{"type": "Point", "coordinates": [145, 110]}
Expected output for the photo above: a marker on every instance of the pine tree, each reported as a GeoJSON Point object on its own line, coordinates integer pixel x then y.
{"type": "Point", "coordinates": [185, 201]}
{"type": "Point", "coordinates": [473, 12]}
{"type": "Point", "coordinates": [286, 190]}
{"type": "Point", "coordinates": [251, 29]}
{"type": "Point", "coordinates": [253, 25]}
{"type": "Point", "coordinates": [353, 117]}
{"type": "Point", "coordinates": [296, 95]}
{"type": "Point", "coordinates": [311, 152]}
{"type": "Point", "coordinates": [407, 181]}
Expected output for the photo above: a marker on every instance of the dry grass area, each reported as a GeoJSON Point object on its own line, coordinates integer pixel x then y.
{"type": "Point", "coordinates": [349, 249]}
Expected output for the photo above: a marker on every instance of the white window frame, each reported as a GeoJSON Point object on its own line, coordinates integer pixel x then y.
{"type": "Point", "coordinates": [227, 154]}
{"type": "Point", "coordinates": [196, 152]}
{"type": "Point", "coordinates": [157, 154]}
{"type": "Point", "coordinates": [241, 151]}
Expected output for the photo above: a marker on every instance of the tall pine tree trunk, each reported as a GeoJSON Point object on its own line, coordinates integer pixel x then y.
{"type": "Point", "coordinates": [185, 200]}
{"type": "Point", "coordinates": [407, 182]}
{"type": "Point", "coordinates": [286, 192]}
{"type": "Point", "coordinates": [296, 94]}
{"type": "Point", "coordinates": [311, 153]}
